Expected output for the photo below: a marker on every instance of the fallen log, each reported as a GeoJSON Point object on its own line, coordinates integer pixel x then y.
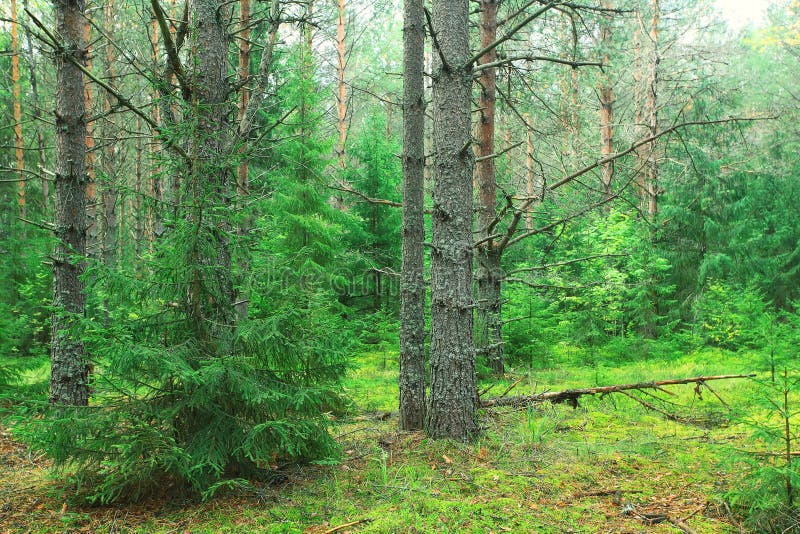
{"type": "Point", "coordinates": [572, 395]}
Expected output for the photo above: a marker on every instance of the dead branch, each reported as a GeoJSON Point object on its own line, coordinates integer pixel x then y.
{"type": "Point", "coordinates": [572, 395]}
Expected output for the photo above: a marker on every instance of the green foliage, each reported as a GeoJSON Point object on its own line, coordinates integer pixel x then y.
{"type": "Point", "coordinates": [187, 394]}
{"type": "Point", "coordinates": [732, 318]}
{"type": "Point", "coordinates": [770, 487]}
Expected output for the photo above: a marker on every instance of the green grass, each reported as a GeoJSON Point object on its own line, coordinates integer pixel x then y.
{"type": "Point", "coordinates": [548, 468]}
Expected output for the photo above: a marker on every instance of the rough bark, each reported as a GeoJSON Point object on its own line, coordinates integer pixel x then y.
{"type": "Point", "coordinates": [68, 380]}
{"type": "Point", "coordinates": [606, 96]}
{"type": "Point", "coordinates": [210, 174]}
{"type": "Point", "coordinates": [453, 403]}
{"type": "Point", "coordinates": [18, 142]}
{"type": "Point", "coordinates": [489, 328]}
{"type": "Point", "coordinates": [412, 281]}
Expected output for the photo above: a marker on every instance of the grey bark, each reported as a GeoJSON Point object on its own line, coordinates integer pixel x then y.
{"type": "Point", "coordinates": [453, 403]}
{"type": "Point", "coordinates": [489, 270]}
{"type": "Point", "coordinates": [412, 282]}
{"type": "Point", "coordinates": [68, 369]}
{"type": "Point", "coordinates": [210, 175]}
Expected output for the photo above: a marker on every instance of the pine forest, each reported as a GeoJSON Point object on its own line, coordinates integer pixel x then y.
{"type": "Point", "coordinates": [328, 266]}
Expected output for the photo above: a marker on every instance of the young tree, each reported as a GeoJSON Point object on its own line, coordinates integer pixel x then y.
{"type": "Point", "coordinates": [69, 372]}
{"type": "Point", "coordinates": [412, 283]}
{"type": "Point", "coordinates": [453, 402]}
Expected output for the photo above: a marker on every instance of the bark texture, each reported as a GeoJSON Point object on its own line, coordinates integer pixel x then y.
{"type": "Point", "coordinates": [412, 282]}
{"type": "Point", "coordinates": [68, 378]}
{"type": "Point", "coordinates": [453, 403]}
{"type": "Point", "coordinates": [210, 174]}
{"type": "Point", "coordinates": [489, 328]}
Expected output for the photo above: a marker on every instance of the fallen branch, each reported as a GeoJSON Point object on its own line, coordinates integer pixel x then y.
{"type": "Point", "coordinates": [347, 525]}
{"type": "Point", "coordinates": [572, 395]}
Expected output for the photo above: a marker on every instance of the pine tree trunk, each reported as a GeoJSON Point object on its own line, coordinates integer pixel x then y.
{"type": "Point", "coordinates": [68, 380]}
{"type": "Point", "coordinates": [488, 311]}
{"type": "Point", "coordinates": [18, 142]}
{"type": "Point", "coordinates": [530, 177]}
{"type": "Point", "coordinates": [36, 114]}
{"type": "Point", "coordinates": [453, 403]}
{"type": "Point", "coordinates": [243, 171]}
{"type": "Point", "coordinates": [646, 104]}
{"type": "Point", "coordinates": [107, 215]}
{"type": "Point", "coordinates": [606, 94]}
{"type": "Point", "coordinates": [341, 88]}
{"type": "Point", "coordinates": [651, 112]}
{"type": "Point", "coordinates": [210, 174]}
{"type": "Point", "coordinates": [91, 176]}
{"type": "Point", "coordinates": [412, 282]}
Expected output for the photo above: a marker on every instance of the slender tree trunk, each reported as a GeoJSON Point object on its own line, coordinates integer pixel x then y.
{"type": "Point", "coordinates": [91, 175]}
{"type": "Point", "coordinates": [243, 171]}
{"type": "Point", "coordinates": [37, 111]}
{"type": "Point", "coordinates": [107, 233]}
{"type": "Point", "coordinates": [530, 176]}
{"type": "Point", "coordinates": [646, 104]}
{"type": "Point", "coordinates": [341, 88]}
{"type": "Point", "coordinates": [68, 378]}
{"type": "Point", "coordinates": [154, 190]}
{"type": "Point", "coordinates": [651, 112]}
{"type": "Point", "coordinates": [412, 281]}
{"type": "Point", "coordinates": [606, 94]}
{"type": "Point", "coordinates": [488, 311]}
{"type": "Point", "coordinates": [453, 403]}
{"type": "Point", "coordinates": [18, 142]}
{"type": "Point", "coordinates": [243, 184]}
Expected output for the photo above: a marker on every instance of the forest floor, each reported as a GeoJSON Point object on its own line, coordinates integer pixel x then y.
{"type": "Point", "coordinates": [609, 465]}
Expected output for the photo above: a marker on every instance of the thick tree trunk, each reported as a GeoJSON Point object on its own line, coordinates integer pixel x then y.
{"type": "Point", "coordinates": [412, 282]}
{"type": "Point", "coordinates": [453, 403]}
{"type": "Point", "coordinates": [488, 312]}
{"type": "Point", "coordinates": [210, 174]}
{"type": "Point", "coordinates": [18, 142]}
{"type": "Point", "coordinates": [606, 94]}
{"type": "Point", "coordinates": [68, 380]}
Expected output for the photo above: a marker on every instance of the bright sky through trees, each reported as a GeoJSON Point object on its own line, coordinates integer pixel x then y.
{"type": "Point", "coordinates": [741, 13]}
